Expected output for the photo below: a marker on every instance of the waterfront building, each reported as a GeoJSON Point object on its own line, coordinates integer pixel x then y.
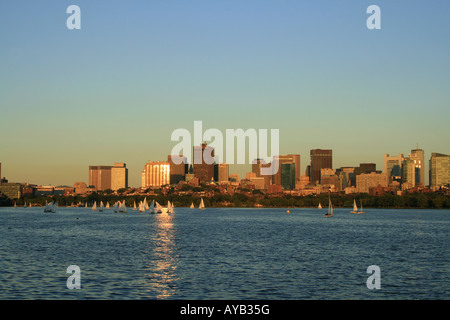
{"type": "Point", "coordinates": [100, 177]}
{"type": "Point", "coordinates": [11, 190]}
{"type": "Point", "coordinates": [439, 170]}
{"type": "Point", "coordinates": [155, 174]}
{"type": "Point", "coordinates": [119, 176]}
{"type": "Point", "coordinates": [319, 159]}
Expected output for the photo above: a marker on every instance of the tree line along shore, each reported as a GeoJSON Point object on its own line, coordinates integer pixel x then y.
{"type": "Point", "coordinates": [239, 200]}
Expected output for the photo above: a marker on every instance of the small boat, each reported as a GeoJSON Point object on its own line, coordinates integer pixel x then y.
{"type": "Point", "coordinates": [100, 208]}
{"type": "Point", "coordinates": [170, 207]}
{"type": "Point", "coordinates": [94, 207]}
{"type": "Point", "coordinates": [330, 209]}
{"type": "Point", "coordinates": [320, 206]}
{"type": "Point", "coordinates": [192, 206]}
{"type": "Point", "coordinates": [355, 208]}
{"type": "Point", "coordinates": [134, 206]}
{"type": "Point", "coordinates": [151, 208]}
{"type": "Point", "coordinates": [202, 205]}
{"type": "Point", "coordinates": [116, 207]}
{"type": "Point", "coordinates": [122, 207]}
{"type": "Point", "coordinates": [141, 207]}
{"type": "Point", "coordinates": [107, 205]}
{"type": "Point", "coordinates": [288, 211]}
{"type": "Point", "coordinates": [50, 207]}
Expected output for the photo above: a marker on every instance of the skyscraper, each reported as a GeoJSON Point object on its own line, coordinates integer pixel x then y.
{"type": "Point", "coordinates": [100, 177]}
{"type": "Point", "coordinates": [391, 161]}
{"type": "Point", "coordinates": [418, 156]}
{"type": "Point", "coordinates": [203, 163]}
{"type": "Point", "coordinates": [177, 171]}
{"type": "Point", "coordinates": [289, 158]}
{"type": "Point", "coordinates": [288, 176]}
{"type": "Point", "coordinates": [439, 170]}
{"type": "Point", "coordinates": [119, 176]}
{"type": "Point", "coordinates": [155, 174]}
{"type": "Point", "coordinates": [320, 159]}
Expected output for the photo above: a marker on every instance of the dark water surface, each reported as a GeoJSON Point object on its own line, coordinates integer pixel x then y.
{"type": "Point", "coordinates": [224, 254]}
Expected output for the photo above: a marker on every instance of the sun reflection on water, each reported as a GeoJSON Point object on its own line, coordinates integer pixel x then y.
{"type": "Point", "coordinates": [163, 258]}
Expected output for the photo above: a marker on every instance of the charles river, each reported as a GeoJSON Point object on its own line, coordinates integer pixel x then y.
{"type": "Point", "coordinates": [225, 253]}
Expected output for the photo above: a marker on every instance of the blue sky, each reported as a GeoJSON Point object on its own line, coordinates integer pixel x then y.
{"type": "Point", "coordinates": [137, 70]}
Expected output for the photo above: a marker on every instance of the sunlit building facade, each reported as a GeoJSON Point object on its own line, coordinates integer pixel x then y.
{"type": "Point", "coordinates": [155, 174]}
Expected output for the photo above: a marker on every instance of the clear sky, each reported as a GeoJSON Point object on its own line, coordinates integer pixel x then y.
{"type": "Point", "coordinates": [137, 70]}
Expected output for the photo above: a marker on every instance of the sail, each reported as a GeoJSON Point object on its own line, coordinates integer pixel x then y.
{"type": "Point", "coordinates": [320, 206]}
{"type": "Point", "coordinates": [141, 207]}
{"type": "Point", "coordinates": [107, 205]}
{"type": "Point", "coordinates": [146, 206]}
{"type": "Point", "coordinates": [94, 207]}
{"type": "Point", "coordinates": [355, 207]}
{"type": "Point", "coordinates": [134, 205]}
{"type": "Point", "coordinates": [122, 207]}
{"type": "Point", "coordinates": [152, 207]}
{"type": "Point", "coordinates": [202, 204]}
{"type": "Point", "coordinates": [192, 205]}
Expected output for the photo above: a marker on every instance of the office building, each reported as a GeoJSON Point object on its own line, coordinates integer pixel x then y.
{"type": "Point", "coordinates": [418, 156]}
{"type": "Point", "coordinates": [203, 163]}
{"type": "Point", "coordinates": [155, 174]}
{"type": "Point", "coordinates": [364, 181]}
{"type": "Point", "coordinates": [286, 159]}
{"type": "Point", "coordinates": [319, 159]}
{"type": "Point", "coordinates": [287, 176]}
{"type": "Point", "coordinates": [100, 177]}
{"type": "Point", "coordinates": [177, 168]}
{"type": "Point", "coordinates": [408, 173]}
{"type": "Point", "coordinates": [119, 176]}
{"type": "Point", "coordinates": [439, 170]}
{"type": "Point", "coordinates": [221, 172]}
{"type": "Point", "coordinates": [391, 161]}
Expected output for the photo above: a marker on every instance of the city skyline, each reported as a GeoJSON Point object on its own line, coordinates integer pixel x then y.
{"type": "Point", "coordinates": [116, 89]}
{"type": "Point", "coordinates": [385, 167]}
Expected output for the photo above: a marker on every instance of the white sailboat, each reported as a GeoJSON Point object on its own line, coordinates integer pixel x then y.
{"type": "Point", "coordinates": [330, 208]}
{"type": "Point", "coordinates": [50, 207]}
{"type": "Point", "coordinates": [159, 208]}
{"type": "Point", "coordinates": [94, 207]}
{"type": "Point", "coordinates": [116, 207]}
{"type": "Point", "coordinates": [146, 206]}
{"type": "Point", "coordinates": [355, 208]}
{"type": "Point", "coordinates": [320, 206]}
{"type": "Point", "coordinates": [192, 206]}
{"type": "Point", "coordinates": [202, 205]}
{"type": "Point", "coordinates": [122, 207]}
{"type": "Point", "coordinates": [134, 206]}
{"type": "Point", "coordinates": [100, 208]}
{"type": "Point", "coordinates": [152, 207]}
{"type": "Point", "coordinates": [107, 205]}
{"type": "Point", "coordinates": [170, 207]}
{"type": "Point", "coordinates": [141, 207]}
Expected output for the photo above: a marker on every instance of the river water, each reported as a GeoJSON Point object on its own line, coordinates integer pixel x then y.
{"type": "Point", "coordinates": [225, 253]}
